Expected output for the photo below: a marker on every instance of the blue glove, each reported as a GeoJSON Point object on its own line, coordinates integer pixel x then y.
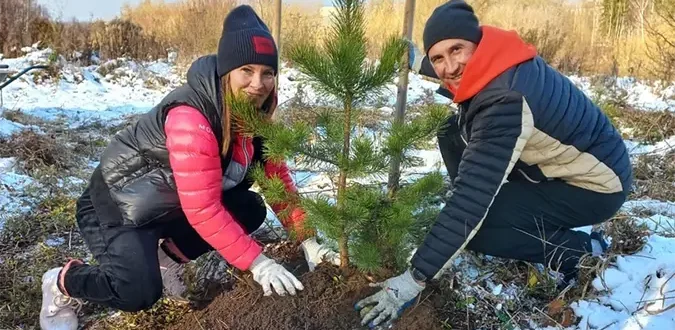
{"type": "Point", "coordinates": [398, 294]}
{"type": "Point", "coordinates": [415, 57]}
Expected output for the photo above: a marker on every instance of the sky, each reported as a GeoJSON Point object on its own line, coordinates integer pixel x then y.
{"type": "Point", "coordinates": [85, 10]}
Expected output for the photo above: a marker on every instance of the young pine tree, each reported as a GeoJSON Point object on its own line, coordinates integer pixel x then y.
{"type": "Point", "coordinates": [372, 228]}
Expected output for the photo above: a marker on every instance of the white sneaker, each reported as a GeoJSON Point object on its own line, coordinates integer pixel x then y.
{"type": "Point", "coordinates": [59, 312]}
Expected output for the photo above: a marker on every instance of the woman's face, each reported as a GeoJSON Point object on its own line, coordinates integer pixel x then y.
{"type": "Point", "coordinates": [255, 80]}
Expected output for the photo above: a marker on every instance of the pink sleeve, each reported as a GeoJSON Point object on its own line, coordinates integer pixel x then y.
{"type": "Point", "coordinates": [195, 162]}
{"type": "Point", "coordinates": [296, 217]}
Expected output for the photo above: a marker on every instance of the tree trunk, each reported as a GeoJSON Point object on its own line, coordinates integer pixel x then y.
{"type": "Point", "coordinates": [342, 182]}
{"type": "Point", "coordinates": [401, 99]}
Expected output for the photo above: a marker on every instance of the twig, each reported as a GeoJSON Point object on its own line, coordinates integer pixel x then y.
{"type": "Point", "coordinates": [198, 323]}
{"type": "Point", "coordinates": [605, 327]}
{"type": "Point", "coordinates": [223, 323]}
{"type": "Point", "coordinates": [421, 302]}
{"type": "Point", "coordinates": [661, 310]}
{"type": "Point", "coordinates": [315, 191]}
{"type": "Point", "coordinates": [657, 299]}
{"type": "Point", "coordinates": [70, 239]}
{"type": "Point", "coordinates": [663, 286]}
{"type": "Point", "coordinates": [644, 292]}
{"type": "Point", "coordinates": [632, 314]}
{"type": "Point", "coordinates": [548, 317]}
{"type": "Point", "coordinates": [468, 321]}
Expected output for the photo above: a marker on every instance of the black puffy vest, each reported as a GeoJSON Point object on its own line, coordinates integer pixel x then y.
{"type": "Point", "coordinates": [133, 185]}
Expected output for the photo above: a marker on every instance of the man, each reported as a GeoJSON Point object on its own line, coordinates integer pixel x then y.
{"type": "Point", "coordinates": [529, 155]}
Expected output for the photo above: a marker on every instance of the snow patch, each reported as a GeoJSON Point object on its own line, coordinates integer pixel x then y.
{"type": "Point", "coordinates": [639, 94]}
{"type": "Point", "coordinates": [659, 148]}
{"type": "Point", "coordinates": [12, 187]}
{"type": "Point", "coordinates": [634, 291]}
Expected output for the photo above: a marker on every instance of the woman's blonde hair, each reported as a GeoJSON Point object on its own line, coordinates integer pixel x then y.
{"type": "Point", "coordinates": [268, 107]}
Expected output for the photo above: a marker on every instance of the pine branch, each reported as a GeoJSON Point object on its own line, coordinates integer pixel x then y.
{"type": "Point", "coordinates": [313, 155]}
{"type": "Point", "coordinates": [329, 136]}
{"type": "Point", "coordinates": [282, 142]}
{"type": "Point", "coordinates": [404, 137]}
{"type": "Point", "coordinates": [323, 215]}
{"type": "Point", "coordinates": [317, 67]}
{"type": "Point", "coordinates": [414, 194]}
{"type": "Point", "coordinates": [359, 201]}
{"type": "Point", "coordinates": [273, 188]}
{"type": "Point", "coordinates": [346, 46]}
{"type": "Point", "coordinates": [366, 255]}
{"type": "Point", "coordinates": [376, 76]}
{"type": "Point", "coordinates": [382, 232]}
{"type": "Point", "coordinates": [246, 119]}
{"type": "Point", "coordinates": [366, 160]}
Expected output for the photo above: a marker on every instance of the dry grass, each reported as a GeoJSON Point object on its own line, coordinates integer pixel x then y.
{"type": "Point", "coordinates": [647, 126]}
{"type": "Point", "coordinates": [192, 27]}
{"type": "Point", "coordinates": [628, 237]}
{"type": "Point", "coordinates": [25, 22]}
{"type": "Point", "coordinates": [655, 177]}
{"type": "Point", "coordinates": [570, 35]}
{"type": "Point", "coordinates": [162, 314]}
{"type": "Point", "coordinates": [36, 151]}
{"type": "Point", "coordinates": [20, 22]}
{"type": "Point", "coordinates": [24, 257]}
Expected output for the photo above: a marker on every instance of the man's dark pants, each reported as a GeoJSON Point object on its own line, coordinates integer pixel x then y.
{"type": "Point", "coordinates": [533, 221]}
{"type": "Point", "coordinates": [127, 276]}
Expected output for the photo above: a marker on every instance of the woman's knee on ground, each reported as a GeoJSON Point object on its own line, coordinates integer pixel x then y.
{"type": "Point", "coordinates": [139, 294]}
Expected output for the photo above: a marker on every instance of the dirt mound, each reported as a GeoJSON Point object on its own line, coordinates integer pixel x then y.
{"type": "Point", "coordinates": [327, 302]}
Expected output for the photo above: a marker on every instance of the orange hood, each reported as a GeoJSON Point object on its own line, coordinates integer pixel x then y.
{"type": "Point", "coordinates": [497, 51]}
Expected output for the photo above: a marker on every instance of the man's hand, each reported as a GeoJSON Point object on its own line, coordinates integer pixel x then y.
{"type": "Point", "coordinates": [270, 275]}
{"type": "Point", "coordinates": [398, 293]}
{"type": "Point", "coordinates": [415, 57]}
{"type": "Point", "coordinates": [315, 253]}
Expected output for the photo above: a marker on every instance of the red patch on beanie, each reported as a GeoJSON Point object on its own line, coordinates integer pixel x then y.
{"type": "Point", "coordinates": [263, 45]}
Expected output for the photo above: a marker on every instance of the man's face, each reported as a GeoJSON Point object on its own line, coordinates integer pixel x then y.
{"type": "Point", "coordinates": [449, 58]}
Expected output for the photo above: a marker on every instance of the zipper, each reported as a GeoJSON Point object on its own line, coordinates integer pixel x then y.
{"type": "Point", "coordinates": [249, 157]}
{"type": "Point", "coordinates": [244, 145]}
{"type": "Point", "coordinates": [461, 128]}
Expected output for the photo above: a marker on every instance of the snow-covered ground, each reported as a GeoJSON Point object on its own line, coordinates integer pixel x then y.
{"type": "Point", "coordinates": [636, 289]}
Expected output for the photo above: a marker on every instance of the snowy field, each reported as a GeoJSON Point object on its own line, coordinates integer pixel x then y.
{"type": "Point", "coordinates": [634, 293]}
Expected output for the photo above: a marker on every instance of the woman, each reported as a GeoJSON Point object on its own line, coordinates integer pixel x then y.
{"type": "Point", "coordinates": [179, 176]}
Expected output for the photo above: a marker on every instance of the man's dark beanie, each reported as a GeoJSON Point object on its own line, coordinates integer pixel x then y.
{"type": "Point", "coordinates": [245, 40]}
{"type": "Point", "coordinates": [452, 20]}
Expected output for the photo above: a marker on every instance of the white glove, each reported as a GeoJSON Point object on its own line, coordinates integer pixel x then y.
{"type": "Point", "coordinates": [398, 294]}
{"type": "Point", "coordinates": [268, 273]}
{"type": "Point", "coordinates": [315, 253]}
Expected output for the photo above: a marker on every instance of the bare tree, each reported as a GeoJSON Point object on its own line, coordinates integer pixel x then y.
{"type": "Point", "coordinates": [16, 18]}
{"type": "Point", "coordinates": [662, 32]}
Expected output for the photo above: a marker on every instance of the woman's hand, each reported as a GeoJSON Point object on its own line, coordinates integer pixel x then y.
{"type": "Point", "coordinates": [269, 274]}
{"type": "Point", "coordinates": [315, 253]}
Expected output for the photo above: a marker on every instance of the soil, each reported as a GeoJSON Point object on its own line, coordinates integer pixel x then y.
{"type": "Point", "coordinates": [327, 302]}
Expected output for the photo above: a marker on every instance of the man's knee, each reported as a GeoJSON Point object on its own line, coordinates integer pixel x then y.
{"type": "Point", "coordinates": [138, 296]}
